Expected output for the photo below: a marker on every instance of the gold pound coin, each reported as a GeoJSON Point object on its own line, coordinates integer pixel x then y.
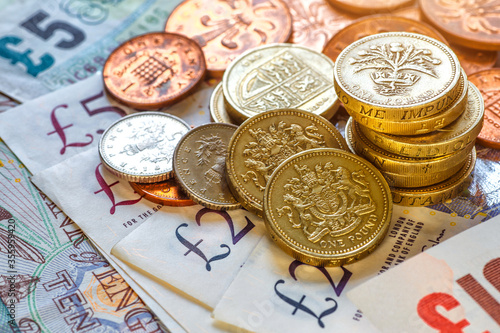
{"type": "Point", "coordinates": [139, 147]}
{"type": "Point", "coordinates": [327, 207]}
{"type": "Point", "coordinates": [199, 165]}
{"type": "Point", "coordinates": [419, 126]}
{"type": "Point", "coordinates": [218, 108]}
{"type": "Point", "coordinates": [279, 76]}
{"type": "Point", "coordinates": [432, 195]}
{"type": "Point", "coordinates": [446, 140]}
{"type": "Point", "coordinates": [262, 142]}
{"type": "Point", "coordinates": [401, 165]}
{"type": "Point", "coordinates": [416, 180]}
{"type": "Point", "coordinates": [397, 76]}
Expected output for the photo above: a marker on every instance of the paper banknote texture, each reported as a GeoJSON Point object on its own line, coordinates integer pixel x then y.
{"type": "Point", "coordinates": [453, 287]}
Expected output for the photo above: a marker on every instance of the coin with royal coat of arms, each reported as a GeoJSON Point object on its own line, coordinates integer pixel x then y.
{"type": "Point", "coordinates": [279, 76]}
{"type": "Point", "coordinates": [327, 207]}
{"type": "Point", "coordinates": [140, 147]}
{"type": "Point", "coordinates": [262, 142]}
{"type": "Point", "coordinates": [200, 165]}
{"type": "Point", "coordinates": [397, 76]}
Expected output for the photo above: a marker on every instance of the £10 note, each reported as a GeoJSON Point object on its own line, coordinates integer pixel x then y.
{"type": "Point", "coordinates": [107, 209]}
{"type": "Point", "coordinates": [45, 259]}
{"type": "Point", "coordinates": [453, 287]}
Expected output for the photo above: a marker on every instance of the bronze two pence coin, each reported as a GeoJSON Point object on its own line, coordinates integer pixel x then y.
{"type": "Point", "coordinates": [225, 29]}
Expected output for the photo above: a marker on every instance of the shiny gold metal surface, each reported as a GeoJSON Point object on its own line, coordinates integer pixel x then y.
{"type": "Point", "coordinates": [154, 70]}
{"type": "Point", "coordinates": [421, 125]}
{"type": "Point", "coordinates": [420, 180]}
{"type": "Point", "coordinates": [218, 108]}
{"type": "Point", "coordinates": [397, 76]}
{"type": "Point", "coordinates": [200, 165]}
{"type": "Point", "coordinates": [226, 29]}
{"type": "Point", "coordinates": [262, 142]}
{"type": "Point", "coordinates": [327, 207]}
{"type": "Point", "coordinates": [397, 164]}
{"type": "Point", "coordinates": [449, 139]}
{"type": "Point", "coordinates": [167, 193]}
{"type": "Point", "coordinates": [279, 76]}
{"type": "Point", "coordinates": [140, 147]}
{"type": "Point", "coordinates": [432, 195]}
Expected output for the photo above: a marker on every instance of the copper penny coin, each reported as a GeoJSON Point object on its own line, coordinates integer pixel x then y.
{"type": "Point", "coordinates": [488, 82]}
{"type": "Point", "coordinates": [154, 70]}
{"type": "Point", "coordinates": [473, 60]}
{"type": "Point", "coordinates": [363, 7]}
{"type": "Point", "coordinates": [166, 193]}
{"type": "Point", "coordinates": [474, 24]}
{"type": "Point", "coordinates": [372, 25]}
{"type": "Point", "coordinates": [225, 29]}
{"type": "Point", "coordinates": [315, 22]}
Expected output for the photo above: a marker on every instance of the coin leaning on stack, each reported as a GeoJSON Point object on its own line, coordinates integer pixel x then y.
{"type": "Point", "coordinates": [414, 114]}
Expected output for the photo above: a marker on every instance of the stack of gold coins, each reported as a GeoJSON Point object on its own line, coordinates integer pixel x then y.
{"type": "Point", "coordinates": [275, 76]}
{"type": "Point", "coordinates": [414, 114]}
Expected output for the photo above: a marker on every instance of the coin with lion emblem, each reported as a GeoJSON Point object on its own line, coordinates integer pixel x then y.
{"type": "Point", "coordinates": [262, 142]}
{"type": "Point", "coordinates": [327, 207]}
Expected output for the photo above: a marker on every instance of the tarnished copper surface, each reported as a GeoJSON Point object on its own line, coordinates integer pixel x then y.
{"type": "Point", "coordinates": [474, 60]}
{"type": "Point", "coordinates": [365, 7]}
{"type": "Point", "coordinates": [154, 70]}
{"type": "Point", "coordinates": [225, 29]}
{"type": "Point", "coordinates": [167, 193]}
{"type": "Point", "coordinates": [488, 82]}
{"type": "Point", "coordinates": [315, 22]}
{"type": "Point", "coordinates": [474, 24]}
{"type": "Point", "coordinates": [375, 24]}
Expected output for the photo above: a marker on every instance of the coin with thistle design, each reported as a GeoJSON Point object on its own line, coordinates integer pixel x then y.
{"type": "Point", "coordinates": [199, 165]}
{"type": "Point", "coordinates": [397, 76]}
{"type": "Point", "coordinates": [327, 207]}
{"type": "Point", "coordinates": [262, 142]}
{"type": "Point", "coordinates": [396, 66]}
